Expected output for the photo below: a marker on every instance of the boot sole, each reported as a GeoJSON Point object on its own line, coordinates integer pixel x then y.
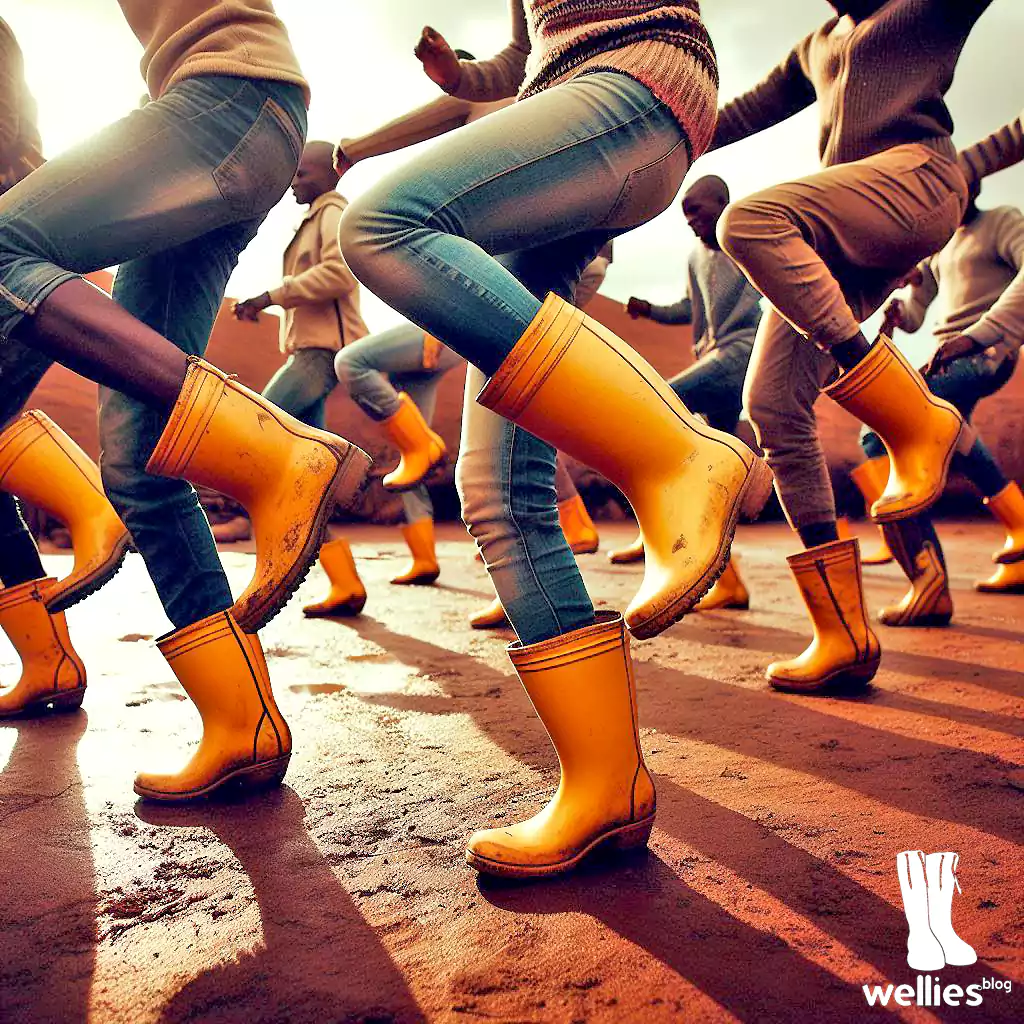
{"type": "Point", "coordinates": [843, 680]}
{"type": "Point", "coordinates": [624, 839]}
{"type": "Point", "coordinates": [628, 560]}
{"type": "Point", "coordinates": [1015, 588]}
{"type": "Point", "coordinates": [339, 611]}
{"type": "Point", "coordinates": [89, 584]}
{"type": "Point", "coordinates": [426, 580]}
{"type": "Point", "coordinates": [585, 549]}
{"type": "Point", "coordinates": [749, 502]}
{"type": "Point", "coordinates": [64, 701]}
{"type": "Point", "coordinates": [876, 560]}
{"type": "Point", "coordinates": [929, 621]}
{"type": "Point", "coordinates": [403, 488]}
{"type": "Point", "coordinates": [349, 479]}
{"type": "Point", "coordinates": [253, 777]}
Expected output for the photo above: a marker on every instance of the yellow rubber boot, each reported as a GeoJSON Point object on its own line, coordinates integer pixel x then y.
{"type": "Point", "coordinates": [423, 569]}
{"type": "Point", "coordinates": [1007, 579]}
{"type": "Point", "coordinates": [246, 742]}
{"type": "Point", "coordinates": [630, 553]}
{"type": "Point", "coordinates": [871, 477]}
{"type": "Point", "coordinates": [920, 432]}
{"type": "Point", "coordinates": [582, 687]}
{"type": "Point", "coordinates": [928, 603]}
{"type": "Point", "coordinates": [421, 449]}
{"type": "Point", "coordinates": [728, 592]}
{"type": "Point", "coordinates": [347, 596]}
{"type": "Point", "coordinates": [286, 475]}
{"type": "Point", "coordinates": [844, 653]}
{"type": "Point", "coordinates": [1008, 507]}
{"type": "Point", "coordinates": [52, 674]}
{"type": "Point", "coordinates": [578, 527]}
{"type": "Point", "coordinates": [491, 617]}
{"type": "Point", "coordinates": [40, 463]}
{"type": "Point", "coordinates": [572, 382]}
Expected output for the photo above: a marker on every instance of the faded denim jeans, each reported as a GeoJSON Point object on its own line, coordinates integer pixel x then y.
{"type": "Point", "coordinates": [467, 240]}
{"type": "Point", "coordinates": [302, 385]}
{"type": "Point", "coordinates": [172, 193]}
{"type": "Point", "coordinates": [713, 386]}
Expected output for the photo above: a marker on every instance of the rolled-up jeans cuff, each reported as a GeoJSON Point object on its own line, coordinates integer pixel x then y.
{"type": "Point", "coordinates": [36, 282]}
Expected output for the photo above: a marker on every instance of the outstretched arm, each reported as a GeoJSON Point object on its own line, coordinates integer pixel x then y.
{"type": "Point", "coordinates": [1000, 150]}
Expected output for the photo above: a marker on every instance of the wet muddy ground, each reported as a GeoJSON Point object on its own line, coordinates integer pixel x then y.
{"type": "Point", "coordinates": [769, 893]}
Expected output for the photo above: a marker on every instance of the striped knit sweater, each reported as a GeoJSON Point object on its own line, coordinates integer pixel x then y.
{"type": "Point", "coordinates": [1000, 150]}
{"type": "Point", "coordinates": [663, 46]}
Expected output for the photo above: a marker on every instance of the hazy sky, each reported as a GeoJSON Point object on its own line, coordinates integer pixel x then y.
{"type": "Point", "coordinates": [82, 63]}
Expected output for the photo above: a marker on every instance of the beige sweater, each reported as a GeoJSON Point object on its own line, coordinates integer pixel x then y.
{"type": "Point", "coordinates": [186, 38]}
{"type": "Point", "coordinates": [978, 279]}
{"type": "Point", "coordinates": [319, 295]}
{"type": "Point", "coordinates": [1000, 150]}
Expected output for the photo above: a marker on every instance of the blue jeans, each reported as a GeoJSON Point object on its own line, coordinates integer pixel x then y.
{"type": "Point", "coordinates": [713, 386]}
{"type": "Point", "coordinates": [965, 382]}
{"type": "Point", "coordinates": [302, 385]}
{"type": "Point", "coordinates": [468, 239]}
{"type": "Point", "coordinates": [376, 368]}
{"type": "Point", "coordinates": [172, 194]}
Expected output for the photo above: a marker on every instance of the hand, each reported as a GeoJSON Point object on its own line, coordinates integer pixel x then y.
{"type": "Point", "coordinates": [956, 348]}
{"type": "Point", "coordinates": [895, 317]}
{"type": "Point", "coordinates": [438, 59]}
{"type": "Point", "coordinates": [912, 280]}
{"type": "Point", "coordinates": [637, 308]}
{"type": "Point", "coordinates": [249, 309]}
{"type": "Point", "coordinates": [341, 161]}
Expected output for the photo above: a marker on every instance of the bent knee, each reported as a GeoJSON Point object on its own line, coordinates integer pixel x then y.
{"type": "Point", "coordinates": [748, 223]}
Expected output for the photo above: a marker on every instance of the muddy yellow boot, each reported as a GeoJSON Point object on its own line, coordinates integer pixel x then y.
{"type": "Point", "coordinates": [42, 465]}
{"type": "Point", "coordinates": [582, 687]}
{"type": "Point", "coordinates": [578, 527]}
{"type": "Point", "coordinates": [491, 617]}
{"type": "Point", "coordinates": [423, 569]}
{"type": "Point", "coordinates": [630, 553]}
{"type": "Point", "coordinates": [920, 432]}
{"type": "Point", "coordinates": [246, 741]}
{"type": "Point", "coordinates": [348, 595]}
{"type": "Point", "coordinates": [421, 449]}
{"type": "Point", "coordinates": [1007, 579]}
{"type": "Point", "coordinates": [52, 674]}
{"type": "Point", "coordinates": [572, 382]}
{"type": "Point", "coordinates": [286, 475]}
{"type": "Point", "coordinates": [1008, 507]}
{"type": "Point", "coordinates": [917, 549]}
{"type": "Point", "coordinates": [844, 653]}
{"type": "Point", "coordinates": [728, 592]}
{"type": "Point", "coordinates": [871, 477]}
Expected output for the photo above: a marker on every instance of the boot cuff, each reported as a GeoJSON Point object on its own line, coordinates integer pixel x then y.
{"type": "Point", "coordinates": [836, 552]}
{"type": "Point", "coordinates": [854, 381]}
{"type": "Point", "coordinates": [606, 634]}
{"type": "Point", "coordinates": [20, 436]}
{"type": "Point", "coordinates": [12, 597]}
{"type": "Point", "coordinates": [205, 631]}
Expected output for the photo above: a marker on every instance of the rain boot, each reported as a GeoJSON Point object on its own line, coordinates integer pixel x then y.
{"type": "Point", "coordinates": [920, 432]}
{"type": "Point", "coordinates": [871, 477]}
{"type": "Point", "coordinates": [916, 547]}
{"type": "Point", "coordinates": [347, 596]}
{"type": "Point", "coordinates": [573, 383]}
{"type": "Point", "coordinates": [288, 477]}
{"type": "Point", "coordinates": [52, 674]}
{"type": "Point", "coordinates": [582, 687]}
{"type": "Point", "coordinates": [246, 742]}
{"type": "Point", "coordinates": [940, 869]}
{"type": "Point", "coordinates": [633, 552]}
{"type": "Point", "coordinates": [1007, 579]}
{"type": "Point", "coordinates": [421, 449]}
{"type": "Point", "coordinates": [578, 527]}
{"type": "Point", "coordinates": [844, 653]}
{"type": "Point", "coordinates": [728, 592]}
{"type": "Point", "coordinates": [423, 569]}
{"type": "Point", "coordinates": [42, 465]}
{"type": "Point", "coordinates": [1008, 507]}
{"type": "Point", "coordinates": [923, 950]}
{"type": "Point", "coordinates": [491, 617]}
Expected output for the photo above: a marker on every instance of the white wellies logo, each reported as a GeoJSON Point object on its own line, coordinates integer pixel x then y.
{"type": "Point", "coordinates": [927, 884]}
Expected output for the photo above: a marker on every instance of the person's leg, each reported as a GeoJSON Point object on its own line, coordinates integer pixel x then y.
{"type": "Point", "coordinates": [713, 386]}
{"type": "Point", "coordinates": [302, 384]}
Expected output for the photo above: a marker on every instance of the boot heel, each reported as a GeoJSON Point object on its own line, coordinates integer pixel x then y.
{"type": "Point", "coordinates": [352, 477]}
{"type": "Point", "coordinates": [266, 775]}
{"type": "Point", "coordinates": [632, 837]}
{"type": "Point", "coordinates": [757, 490]}
{"type": "Point", "coordinates": [68, 700]}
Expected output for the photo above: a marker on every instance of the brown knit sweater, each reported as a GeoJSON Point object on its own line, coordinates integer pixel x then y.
{"type": "Point", "coordinates": [1000, 150]}
{"type": "Point", "coordinates": [878, 83]}
{"type": "Point", "coordinates": [186, 38]}
{"type": "Point", "coordinates": [662, 45]}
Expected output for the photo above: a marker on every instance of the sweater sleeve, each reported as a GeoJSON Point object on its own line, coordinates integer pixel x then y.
{"type": "Point", "coordinates": [329, 279]}
{"type": "Point", "coordinates": [1005, 319]}
{"type": "Point", "coordinates": [435, 118]}
{"type": "Point", "coordinates": [786, 91]}
{"type": "Point", "coordinates": [1000, 150]}
{"type": "Point", "coordinates": [680, 312]}
{"type": "Point", "coordinates": [502, 75]}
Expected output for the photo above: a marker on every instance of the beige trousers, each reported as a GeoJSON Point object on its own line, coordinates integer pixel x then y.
{"type": "Point", "coordinates": [826, 251]}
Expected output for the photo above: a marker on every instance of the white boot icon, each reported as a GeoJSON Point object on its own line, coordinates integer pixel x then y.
{"type": "Point", "coordinates": [941, 872]}
{"type": "Point", "coordinates": [924, 953]}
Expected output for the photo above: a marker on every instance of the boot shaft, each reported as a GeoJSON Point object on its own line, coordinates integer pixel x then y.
{"type": "Point", "coordinates": [912, 872]}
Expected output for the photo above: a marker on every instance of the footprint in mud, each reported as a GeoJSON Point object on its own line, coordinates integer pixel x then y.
{"type": "Point", "coordinates": [315, 689]}
{"type": "Point", "coordinates": [134, 638]}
